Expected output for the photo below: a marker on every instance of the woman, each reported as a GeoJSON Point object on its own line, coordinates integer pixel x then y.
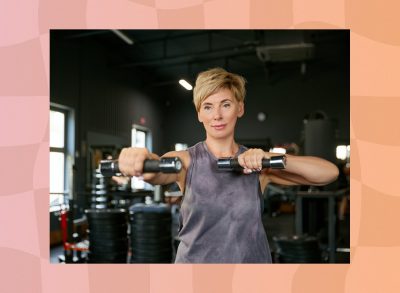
{"type": "Point", "coordinates": [220, 212]}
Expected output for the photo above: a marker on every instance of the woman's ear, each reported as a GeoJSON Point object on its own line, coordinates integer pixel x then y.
{"type": "Point", "coordinates": [198, 117]}
{"type": "Point", "coordinates": [241, 109]}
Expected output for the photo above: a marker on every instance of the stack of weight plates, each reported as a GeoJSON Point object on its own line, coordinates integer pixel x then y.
{"type": "Point", "coordinates": [151, 240]}
{"type": "Point", "coordinates": [100, 187]}
{"type": "Point", "coordinates": [100, 202]}
{"type": "Point", "coordinates": [108, 239]}
{"type": "Point", "coordinates": [304, 249]}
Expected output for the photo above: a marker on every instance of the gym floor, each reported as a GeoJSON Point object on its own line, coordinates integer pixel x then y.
{"type": "Point", "coordinates": [277, 225]}
{"type": "Point", "coordinates": [284, 225]}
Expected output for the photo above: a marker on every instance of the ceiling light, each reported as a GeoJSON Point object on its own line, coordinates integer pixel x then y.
{"type": "Point", "coordinates": [185, 84]}
{"type": "Point", "coordinates": [123, 36]}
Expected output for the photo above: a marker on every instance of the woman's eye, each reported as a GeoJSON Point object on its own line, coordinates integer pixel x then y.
{"type": "Point", "coordinates": [227, 105]}
{"type": "Point", "coordinates": [206, 107]}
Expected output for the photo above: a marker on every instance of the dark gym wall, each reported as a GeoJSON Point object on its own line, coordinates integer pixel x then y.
{"type": "Point", "coordinates": [106, 101]}
{"type": "Point", "coordinates": [285, 102]}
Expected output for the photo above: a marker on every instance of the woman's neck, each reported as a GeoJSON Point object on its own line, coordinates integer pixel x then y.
{"type": "Point", "coordinates": [222, 147]}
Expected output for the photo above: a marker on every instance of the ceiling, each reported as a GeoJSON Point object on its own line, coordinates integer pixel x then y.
{"type": "Point", "coordinates": [164, 56]}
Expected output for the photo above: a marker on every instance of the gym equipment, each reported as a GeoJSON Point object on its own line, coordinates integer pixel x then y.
{"type": "Point", "coordinates": [100, 199]}
{"type": "Point", "coordinates": [72, 249]}
{"type": "Point", "coordinates": [110, 168]}
{"type": "Point", "coordinates": [150, 229]}
{"type": "Point", "coordinates": [295, 249]}
{"type": "Point", "coordinates": [108, 235]}
{"type": "Point", "coordinates": [151, 240]}
{"type": "Point", "coordinates": [73, 246]}
{"type": "Point", "coordinates": [232, 164]}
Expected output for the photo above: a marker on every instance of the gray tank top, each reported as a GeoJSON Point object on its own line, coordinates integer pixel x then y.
{"type": "Point", "coordinates": [220, 214]}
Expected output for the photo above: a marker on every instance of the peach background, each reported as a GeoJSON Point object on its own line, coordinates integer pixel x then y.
{"type": "Point", "coordinates": [375, 143]}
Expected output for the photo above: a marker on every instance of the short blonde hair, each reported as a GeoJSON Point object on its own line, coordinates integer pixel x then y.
{"type": "Point", "coordinates": [210, 81]}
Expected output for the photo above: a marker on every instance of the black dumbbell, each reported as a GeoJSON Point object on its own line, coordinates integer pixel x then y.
{"type": "Point", "coordinates": [232, 164]}
{"type": "Point", "coordinates": [110, 168]}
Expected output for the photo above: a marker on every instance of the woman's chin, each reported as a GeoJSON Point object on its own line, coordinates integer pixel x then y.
{"type": "Point", "coordinates": [219, 135]}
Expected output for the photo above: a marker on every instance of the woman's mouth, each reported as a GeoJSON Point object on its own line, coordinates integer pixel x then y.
{"type": "Point", "coordinates": [219, 127]}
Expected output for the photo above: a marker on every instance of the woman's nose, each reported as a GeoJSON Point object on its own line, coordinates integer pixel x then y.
{"type": "Point", "coordinates": [217, 114]}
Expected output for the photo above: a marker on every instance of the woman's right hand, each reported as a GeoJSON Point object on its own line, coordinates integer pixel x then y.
{"type": "Point", "coordinates": [131, 160]}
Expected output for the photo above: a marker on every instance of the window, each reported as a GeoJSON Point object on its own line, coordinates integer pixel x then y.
{"type": "Point", "coordinates": [181, 146]}
{"type": "Point", "coordinates": [60, 153]}
{"type": "Point", "coordinates": [141, 138]}
{"type": "Point", "coordinates": [57, 157]}
{"type": "Point", "coordinates": [278, 150]}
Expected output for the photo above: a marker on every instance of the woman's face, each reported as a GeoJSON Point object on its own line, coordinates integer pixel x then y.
{"type": "Point", "coordinates": [219, 113]}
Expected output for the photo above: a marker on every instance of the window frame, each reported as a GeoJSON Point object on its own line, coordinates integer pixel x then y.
{"type": "Point", "coordinates": [68, 150]}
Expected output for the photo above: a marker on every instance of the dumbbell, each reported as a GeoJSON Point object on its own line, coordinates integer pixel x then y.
{"type": "Point", "coordinates": [232, 164]}
{"type": "Point", "coordinates": [110, 168]}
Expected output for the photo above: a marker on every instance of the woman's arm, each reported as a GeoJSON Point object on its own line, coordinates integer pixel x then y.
{"type": "Point", "coordinates": [305, 170]}
{"type": "Point", "coordinates": [131, 162]}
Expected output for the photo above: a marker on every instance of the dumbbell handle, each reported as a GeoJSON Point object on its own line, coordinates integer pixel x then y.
{"type": "Point", "coordinates": [110, 168]}
{"type": "Point", "coordinates": [232, 164]}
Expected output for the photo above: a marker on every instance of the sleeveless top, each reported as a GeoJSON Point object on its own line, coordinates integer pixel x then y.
{"type": "Point", "coordinates": [220, 214]}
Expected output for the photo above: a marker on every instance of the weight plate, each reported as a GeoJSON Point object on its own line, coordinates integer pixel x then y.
{"type": "Point", "coordinates": [152, 253]}
{"type": "Point", "coordinates": [151, 226]}
{"type": "Point", "coordinates": [301, 254]}
{"type": "Point", "coordinates": [136, 245]}
{"type": "Point", "coordinates": [99, 251]}
{"type": "Point", "coordinates": [150, 216]}
{"type": "Point", "coordinates": [150, 260]}
{"type": "Point", "coordinates": [110, 237]}
{"type": "Point", "coordinates": [151, 234]}
{"type": "Point", "coordinates": [94, 214]}
{"type": "Point", "coordinates": [299, 251]}
{"type": "Point", "coordinates": [108, 226]}
{"type": "Point", "coordinates": [118, 231]}
{"type": "Point", "coordinates": [121, 259]}
{"type": "Point", "coordinates": [150, 240]}
{"type": "Point", "coordinates": [105, 221]}
{"type": "Point", "coordinates": [105, 242]}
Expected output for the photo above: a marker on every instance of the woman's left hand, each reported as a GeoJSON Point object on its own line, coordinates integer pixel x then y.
{"type": "Point", "coordinates": [251, 160]}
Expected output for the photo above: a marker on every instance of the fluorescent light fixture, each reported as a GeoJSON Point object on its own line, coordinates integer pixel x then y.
{"type": "Point", "coordinates": [123, 36]}
{"type": "Point", "coordinates": [343, 152]}
{"type": "Point", "coordinates": [185, 84]}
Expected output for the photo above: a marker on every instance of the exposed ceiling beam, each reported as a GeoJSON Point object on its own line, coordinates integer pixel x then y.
{"type": "Point", "coordinates": [172, 37]}
{"type": "Point", "coordinates": [229, 52]}
{"type": "Point", "coordinates": [87, 33]}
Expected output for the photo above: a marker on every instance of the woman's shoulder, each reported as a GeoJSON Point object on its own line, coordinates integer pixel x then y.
{"type": "Point", "coordinates": [196, 150]}
{"type": "Point", "coordinates": [197, 146]}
